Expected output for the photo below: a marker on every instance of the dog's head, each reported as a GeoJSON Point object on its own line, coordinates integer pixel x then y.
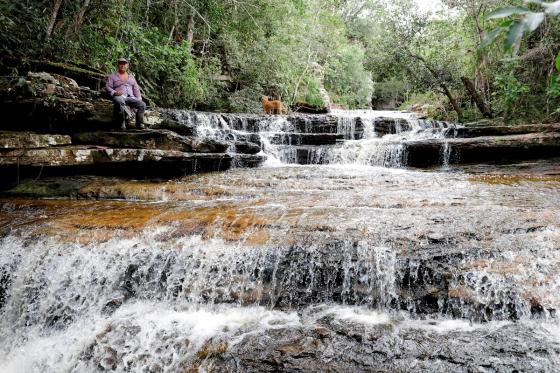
{"type": "Point", "coordinates": [264, 99]}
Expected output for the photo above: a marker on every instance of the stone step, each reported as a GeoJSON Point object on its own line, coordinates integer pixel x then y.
{"type": "Point", "coordinates": [76, 160]}
{"type": "Point", "coordinates": [292, 124]}
{"type": "Point", "coordinates": [428, 153]}
{"type": "Point", "coordinates": [150, 139]}
{"type": "Point", "coordinates": [478, 131]}
{"type": "Point", "coordinates": [306, 138]}
{"type": "Point", "coordinates": [26, 140]}
{"type": "Point", "coordinates": [305, 155]}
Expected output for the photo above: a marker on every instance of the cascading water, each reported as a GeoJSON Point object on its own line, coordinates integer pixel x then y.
{"type": "Point", "coordinates": [381, 137]}
{"type": "Point", "coordinates": [373, 138]}
{"type": "Point", "coordinates": [334, 266]}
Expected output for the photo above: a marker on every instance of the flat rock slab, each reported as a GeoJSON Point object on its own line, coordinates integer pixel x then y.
{"type": "Point", "coordinates": [478, 131]}
{"type": "Point", "coordinates": [306, 138]}
{"type": "Point", "coordinates": [79, 155]}
{"type": "Point", "coordinates": [82, 160]}
{"type": "Point", "coordinates": [17, 140]}
{"type": "Point", "coordinates": [427, 153]}
{"type": "Point", "coordinates": [150, 139]}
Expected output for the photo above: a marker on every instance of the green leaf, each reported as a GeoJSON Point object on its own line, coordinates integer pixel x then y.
{"type": "Point", "coordinates": [491, 36]}
{"type": "Point", "coordinates": [532, 20]}
{"type": "Point", "coordinates": [515, 34]}
{"type": "Point", "coordinates": [558, 62]}
{"type": "Point", "coordinates": [506, 12]}
{"type": "Point", "coordinates": [554, 82]}
{"type": "Point", "coordinates": [506, 23]}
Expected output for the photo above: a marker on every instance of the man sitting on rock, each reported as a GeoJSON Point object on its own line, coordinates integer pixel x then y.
{"type": "Point", "coordinates": [126, 93]}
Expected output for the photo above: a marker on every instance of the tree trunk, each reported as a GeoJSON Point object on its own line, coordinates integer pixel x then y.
{"type": "Point", "coordinates": [300, 79]}
{"type": "Point", "coordinates": [453, 102]}
{"type": "Point", "coordinates": [481, 104]}
{"type": "Point", "coordinates": [175, 20]}
{"type": "Point", "coordinates": [443, 86]}
{"type": "Point", "coordinates": [52, 20]}
{"type": "Point", "coordinates": [79, 18]}
{"type": "Point", "coordinates": [190, 30]}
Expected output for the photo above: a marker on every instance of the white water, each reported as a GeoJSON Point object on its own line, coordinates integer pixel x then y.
{"type": "Point", "coordinates": [386, 150]}
{"type": "Point", "coordinates": [362, 142]}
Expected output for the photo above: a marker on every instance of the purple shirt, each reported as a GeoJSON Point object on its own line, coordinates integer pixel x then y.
{"type": "Point", "coordinates": [129, 88]}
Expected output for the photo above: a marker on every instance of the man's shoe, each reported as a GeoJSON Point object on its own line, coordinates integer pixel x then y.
{"type": "Point", "coordinates": [141, 126]}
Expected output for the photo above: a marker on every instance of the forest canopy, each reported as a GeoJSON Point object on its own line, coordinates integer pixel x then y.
{"type": "Point", "coordinates": [223, 55]}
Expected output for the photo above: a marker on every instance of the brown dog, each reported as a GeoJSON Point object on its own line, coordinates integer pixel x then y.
{"type": "Point", "coordinates": [272, 107]}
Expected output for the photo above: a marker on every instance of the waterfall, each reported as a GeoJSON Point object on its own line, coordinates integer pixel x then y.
{"type": "Point", "coordinates": [371, 138]}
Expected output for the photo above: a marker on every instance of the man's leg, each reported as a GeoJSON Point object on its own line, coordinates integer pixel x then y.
{"type": "Point", "coordinates": [140, 107]}
{"type": "Point", "coordinates": [119, 103]}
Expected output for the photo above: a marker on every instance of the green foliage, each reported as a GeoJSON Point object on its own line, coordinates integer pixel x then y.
{"type": "Point", "coordinates": [347, 79]}
{"type": "Point", "coordinates": [239, 50]}
{"type": "Point", "coordinates": [224, 55]}
{"type": "Point", "coordinates": [525, 22]}
{"type": "Point", "coordinates": [390, 93]}
{"type": "Point", "coordinates": [553, 92]}
{"type": "Point", "coordinates": [312, 92]}
{"type": "Point", "coordinates": [509, 92]}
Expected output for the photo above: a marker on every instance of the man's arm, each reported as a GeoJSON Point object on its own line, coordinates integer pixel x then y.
{"type": "Point", "coordinates": [136, 89]}
{"type": "Point", "coordinates": [109, 85]}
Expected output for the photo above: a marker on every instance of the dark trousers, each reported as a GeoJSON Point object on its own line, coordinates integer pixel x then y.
{"type": "Point", "coordinates": [122, 106]}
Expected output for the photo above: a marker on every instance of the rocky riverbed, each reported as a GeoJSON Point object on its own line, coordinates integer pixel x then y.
{"type": "Point", "coordinates": [293, 268]}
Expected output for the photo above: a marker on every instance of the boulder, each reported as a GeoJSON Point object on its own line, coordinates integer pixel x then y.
{"type": "Point", "coordinates": [246, 147]}
{"type": "Point", "coordinates": [161, 120]}
{"type": "Point", "coordinates": [387, 126]}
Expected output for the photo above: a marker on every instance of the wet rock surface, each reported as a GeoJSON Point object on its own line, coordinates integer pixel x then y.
{"type": "Point", "coordinates": [480, 131]}
{"type": "Point", "coordinates": [307, 139]}
{"type": "Point", "coordinates": [27, 140]}
{"type": "Point", "coordinates": [286, 269]}
{"type": "Point", "coordinates": [426, 153]}
{"type": "Point", "coordinates": [335, 346]}
{"type": "Point", "coordinates": [57, 105]}
{"type": "Point", "coordinates": [150, 139]}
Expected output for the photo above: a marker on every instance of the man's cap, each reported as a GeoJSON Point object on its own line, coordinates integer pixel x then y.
{"type": "Point", "coordinates": [122, 60]}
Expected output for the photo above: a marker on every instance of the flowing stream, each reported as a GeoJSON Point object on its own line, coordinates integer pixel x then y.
{"type": "Point", "coordinates": [350, 262]}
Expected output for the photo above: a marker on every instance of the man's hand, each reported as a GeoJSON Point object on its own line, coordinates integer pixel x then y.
{"type": "Point", "coordinates": [118, 93]}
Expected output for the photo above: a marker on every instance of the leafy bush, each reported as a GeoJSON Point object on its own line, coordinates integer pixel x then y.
{"type": "Point", "coordinates": [347, 79]}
